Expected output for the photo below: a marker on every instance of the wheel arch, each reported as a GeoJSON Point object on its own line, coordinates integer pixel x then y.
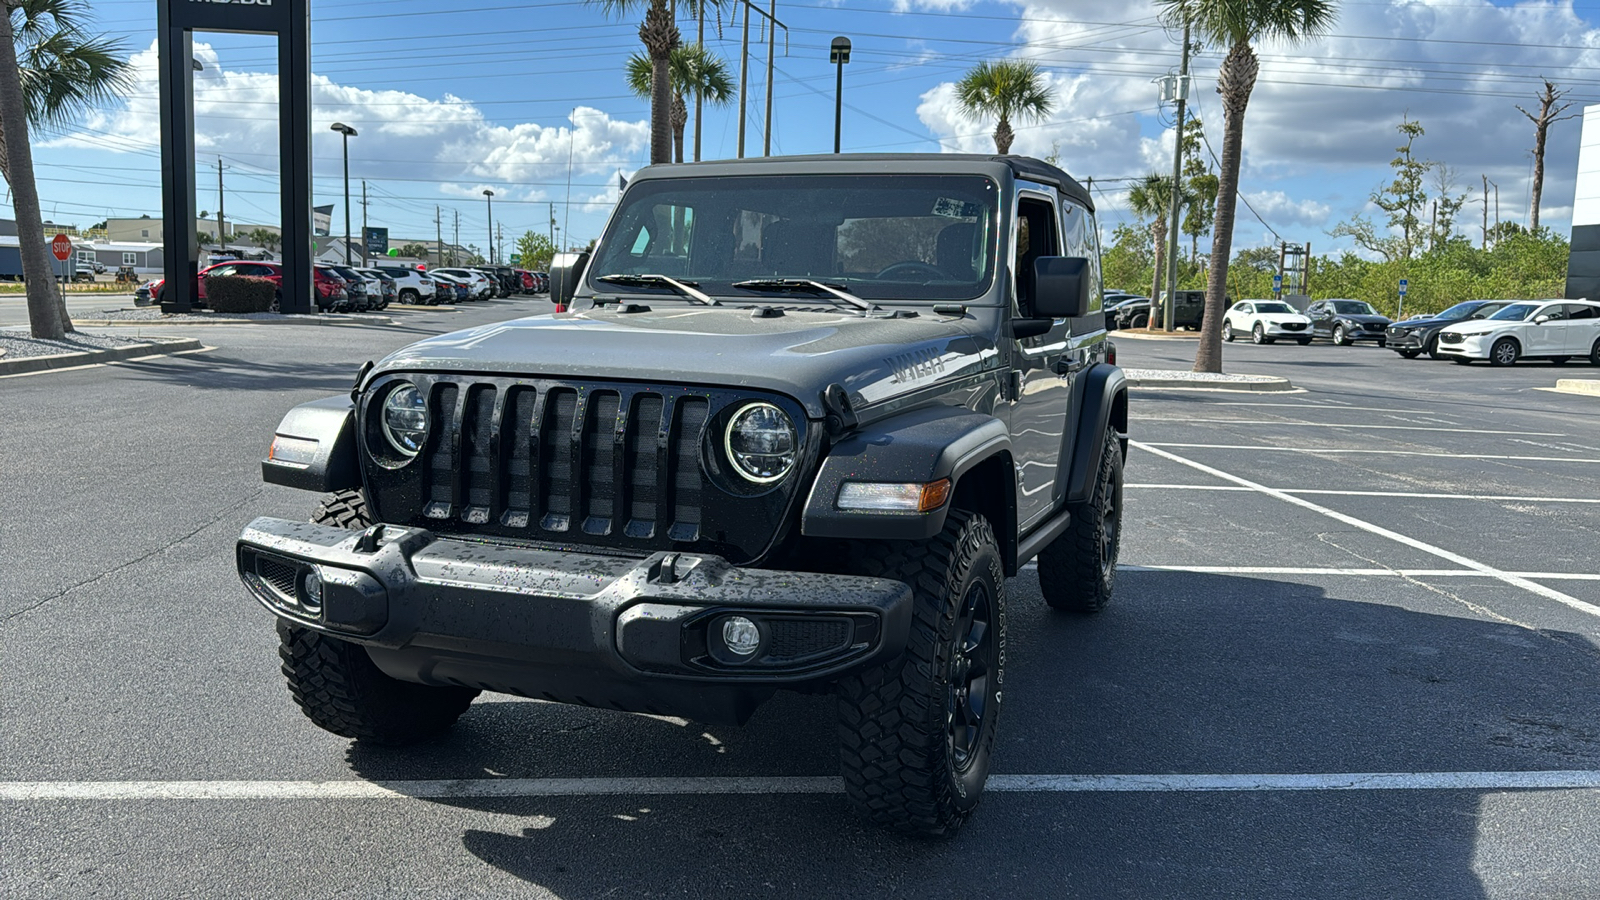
{"type": "Point", "coordinates": [330, 461]}
{"type": "Point", "coordinates": [1105, 407]}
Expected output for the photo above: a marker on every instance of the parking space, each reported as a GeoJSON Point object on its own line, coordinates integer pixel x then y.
{"type": "Point", "coordinates": [1347, 657]}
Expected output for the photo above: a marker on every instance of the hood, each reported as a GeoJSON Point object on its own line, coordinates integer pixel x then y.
{"type": "Point", "coordinates": [797, 354]}
{"type": "Point", "coordinates": [1433, 321]}
{"type": "Point", "coordinates": [1280, 318]}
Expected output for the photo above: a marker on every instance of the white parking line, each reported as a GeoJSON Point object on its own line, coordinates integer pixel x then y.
{"type": "Point", "coordinates": [1507, 577]}
{"type": "Point", "coordinates": [1342, 425]}
{"type": "Point", "coordinates": [1406, 495]}
{"type": "Point", "coordinates": [449, 789]}
{"type": "Point", "coordinates": [1257, 448]}
{"type": "Point", "coordinates": [1337, 570]}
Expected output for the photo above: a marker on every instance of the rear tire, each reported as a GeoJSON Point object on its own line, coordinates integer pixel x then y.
{"type": "Point", "coordinates": [1141, 321]}
{"type": "Point", "coordinates": [339, 688]}
{"type": "Point", "coordinates": [915, 734]}
{"type": "Point", "coordinates": [410, 297]}
{"type": "Point", "coordinates": [1078, 570]}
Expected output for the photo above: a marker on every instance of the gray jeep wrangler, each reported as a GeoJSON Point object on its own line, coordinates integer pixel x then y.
{"type": "Point", "coordinates": [803, 420]}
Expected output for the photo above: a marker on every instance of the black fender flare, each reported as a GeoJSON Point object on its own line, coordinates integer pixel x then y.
{"type": "Point", "coordinates": [314, 448]}
{"type": "Point", "coordinates": [1105, 406]}
{"type": "Point", "coordinates": [920, 446]}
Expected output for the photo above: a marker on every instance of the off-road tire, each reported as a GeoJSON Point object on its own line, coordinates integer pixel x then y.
{"type": "Point", "coordinates": [1078, 570]}
{"type": "Point", "coordinates": [338, 687]}
{"type": "Point", "coordinates": [898, 748]}
{"type": "Point", "coordinates": [1504, 353]}
{"type": "Point", "coordinates": [1140, 321]}
{"type": "Point", "coordinates": [1227, 330]}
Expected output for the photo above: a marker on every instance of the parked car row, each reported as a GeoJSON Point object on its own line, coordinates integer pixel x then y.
{"type": "Point", "coordinates": [359, 289]}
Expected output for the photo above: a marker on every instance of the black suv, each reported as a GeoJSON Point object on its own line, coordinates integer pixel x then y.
{"type": "Point", "coordinates": [805, 419]}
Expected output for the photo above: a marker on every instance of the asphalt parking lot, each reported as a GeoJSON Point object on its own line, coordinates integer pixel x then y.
{"type": "Point", "coordinates": [1354, 652]}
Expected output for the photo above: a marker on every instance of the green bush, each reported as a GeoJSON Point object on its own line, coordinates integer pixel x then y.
{"type": "Point", "coordinates": [240, 293]}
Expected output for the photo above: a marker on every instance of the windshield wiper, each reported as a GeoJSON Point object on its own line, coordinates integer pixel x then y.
{"type": "Point", "coordinates": [806, 286]}
{"type": "Point", "coordinates": [685, 288]}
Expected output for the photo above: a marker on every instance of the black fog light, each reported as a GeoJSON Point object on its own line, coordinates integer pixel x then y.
{"type": "Point", "coordinates": [735, 640]}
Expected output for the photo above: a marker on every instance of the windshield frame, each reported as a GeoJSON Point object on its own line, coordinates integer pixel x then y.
{"type": "Point", "coordinates": [990, 239]}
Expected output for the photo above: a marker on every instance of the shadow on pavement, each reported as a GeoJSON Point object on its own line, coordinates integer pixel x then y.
{"type": "Point", "coordinates": [1186, 673]}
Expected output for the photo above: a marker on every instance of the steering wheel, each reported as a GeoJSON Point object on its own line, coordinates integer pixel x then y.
{"type": "Point", "coordinates": [912, 267]}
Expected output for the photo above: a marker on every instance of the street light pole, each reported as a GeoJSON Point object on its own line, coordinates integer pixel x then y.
{"type": "Point", "coordinates": [348, 133]}
{"type": "Point", "coordinates": [838, 54]}
{"type": "Point", "coordinates": [489, 197]}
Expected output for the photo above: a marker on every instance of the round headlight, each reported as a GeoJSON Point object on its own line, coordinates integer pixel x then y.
{"type": "Point", "coordinates": [761, 442]}
{"type": "Point", "coordinates": [405, 419]}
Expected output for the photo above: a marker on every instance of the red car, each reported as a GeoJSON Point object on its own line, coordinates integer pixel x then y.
{"type": "Point", "coordinates": [329, 286]}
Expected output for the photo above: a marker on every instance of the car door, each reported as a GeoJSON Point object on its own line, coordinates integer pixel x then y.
{"type": "Point", "coordinates": [1583, 328]}
{"type": "Point", "coordinates": [1546, 338]}
{"type": "Point", "coordinates": [1318, 314]}
{"type": "Point", "coordinates": [1041, 385]}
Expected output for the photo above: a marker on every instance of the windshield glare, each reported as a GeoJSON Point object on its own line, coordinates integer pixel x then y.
{"type": "Point", "coordinates": [894, 237]}
{"type": "Point", "coordinates": [1516, 312]}
{"type": "Point", "coordinates": [1461, 310]}
{"type": "Point", "coordinates": [1274, 308]}
{"type": "Point", "coordinates": [1354, 308]}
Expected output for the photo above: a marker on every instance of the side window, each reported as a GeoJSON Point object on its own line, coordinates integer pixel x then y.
{"type": "Point", "coordinates": [1554, 311]}
{"type": "Point", "coordinates": [1036, 237]}
{"type": "Point", "coordinates": [1579, 311]}
{"type": "Point", "coordinates": [1247, 309]}
{"type": "Point", "coordinates": [1077, 239]}
{"type": "Point", "coordinates": [224, 270]}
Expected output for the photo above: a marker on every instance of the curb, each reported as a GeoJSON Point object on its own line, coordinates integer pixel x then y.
{"type": "Point", "coordinates": [229, 323]}
{"type": "Point", "coordinates": [1187, 381]}
{"type": "Point", "coordinates": [1175, 336]}
{"type": "Point", "coordinates": [159, 347]}
{"type": "Point", "coordinates": [1586, 386]}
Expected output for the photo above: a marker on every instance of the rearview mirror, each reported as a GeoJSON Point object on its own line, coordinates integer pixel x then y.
{"type": "Point", "coordinates": [1061, 286]}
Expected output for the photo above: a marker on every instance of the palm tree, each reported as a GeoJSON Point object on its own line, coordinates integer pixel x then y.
{"type": "Point", "coordinates": [1152, 197]}
{"type": "Point", "coordinates": [698, 10]}
{"type": "Point", "coordinates": [1005, 89]}
{"type": "Point", "coordinates": [692, 70]}
{"type": "Point", "coordinates": [1235, 24]}
{"type": "Point", "coordinates": [50, 72]}
{"type": "Point", "coordinates": [659, 34]}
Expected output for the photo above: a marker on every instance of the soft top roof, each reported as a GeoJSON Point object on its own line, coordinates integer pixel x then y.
{"type": "Point", "coordinates": [1025, 167]}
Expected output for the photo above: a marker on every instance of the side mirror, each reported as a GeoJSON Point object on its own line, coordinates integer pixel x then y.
{"type": "Point", "coordinates": [566, 270]}
{"type": "Point", "coordinates": [1061, 287]}
{"type": "Point", "coordinates": [1540, 320]}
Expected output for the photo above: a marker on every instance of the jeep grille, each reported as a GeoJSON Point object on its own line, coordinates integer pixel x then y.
{"type": "Point", "coordinates": [607, 464]}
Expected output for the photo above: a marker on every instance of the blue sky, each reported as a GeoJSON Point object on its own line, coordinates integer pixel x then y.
{"type": "Point", "coordinates": [453, 98]}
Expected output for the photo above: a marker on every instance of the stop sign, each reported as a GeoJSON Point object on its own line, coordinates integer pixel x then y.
{"type": "Point", "coordinates": [61, 246]}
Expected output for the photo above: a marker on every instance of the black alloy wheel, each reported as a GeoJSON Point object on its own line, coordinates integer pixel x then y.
{"type": "Point", "coordinates": [1504, 353]}
{"type": "Point", "coordinates": [970, 691]}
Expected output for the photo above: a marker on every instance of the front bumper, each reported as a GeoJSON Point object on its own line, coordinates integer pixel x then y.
{"type": "Point", "coordinates": [1410, 340]}
{"type": "Point", "coordinates": [1362, 334]}
{"type": "Point", "coordinates": [1470, 347]}
{"type": "Point", "coordinates": [624, 633]}
{"type": "Point", "coordinates": [1279, 330]}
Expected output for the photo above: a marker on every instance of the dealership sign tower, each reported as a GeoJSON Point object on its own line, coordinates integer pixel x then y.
{"type": "Point", "coordinates": [290, 21]}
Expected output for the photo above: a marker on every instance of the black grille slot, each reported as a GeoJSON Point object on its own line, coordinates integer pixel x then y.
{"type": "Point", "coordinates": [556, 468]}
{"type": "Point", "coordinates": [516, 484]}
{"type": "Point", "coordinates": [279, 575]}
{"type": "Point", "coordinates": [643, 481]}
{"type": "Point", "coordinates": [441, 496]}
{"type": "Point", "coordinates": [688, 483]}
{"type": "Point", "coordinates": [599, 448]}
{"type": "Point", "coordinates": [478, 454]}
{"type": "Point", "coordinates": [794, 639]}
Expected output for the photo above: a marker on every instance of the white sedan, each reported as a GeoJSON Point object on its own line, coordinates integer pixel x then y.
{"type": "Point", "coordinates": [1266, 321]}
{"type": "Point", "coordinates": [1557, 330]}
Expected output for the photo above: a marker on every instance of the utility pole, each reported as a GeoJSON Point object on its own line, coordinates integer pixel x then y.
{"type": "Point", "coordinates": [456, 240]}
{"type": "Point", "coordinates": [1177, 189]}
{"type": "Point", "coordinates": [500, 236]}
{"type": "Point", "coordinates": [772, 40]}
{"type": "Point", "coordinates": [744, 73]}
{"type": "Point", "coordinates": [1496, 212]}
{"type": "Point", "coordinates": [1485, 244]}
{"type": "Point", "coordinates": [222, 220]}
{"type": "Point", "coordinates": [438, 238]}
{"type": "Point", "coordinates": [365, 260]}
{"type": "Point", "coordinates": [553, 219]}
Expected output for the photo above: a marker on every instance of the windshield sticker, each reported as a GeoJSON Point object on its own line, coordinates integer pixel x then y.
{"type": "Point", "coordinates": [954, 209]}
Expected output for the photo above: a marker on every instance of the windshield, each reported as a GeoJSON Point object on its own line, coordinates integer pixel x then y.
{"type": "Point", "coordinates": [1462, 310]}
{"type": "Point", "coordinates": [1274, 308]}
{"type": "Point", "coordinates": [881, 237]}
{"type": "Point", "coordinates": [1354, 308]}
{"type": "Point", "coordinates": [1516, 312]}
